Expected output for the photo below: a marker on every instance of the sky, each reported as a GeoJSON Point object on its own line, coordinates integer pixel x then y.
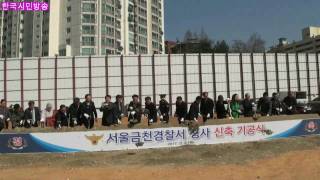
{"type": "Point", "coordinates": [238, 19]}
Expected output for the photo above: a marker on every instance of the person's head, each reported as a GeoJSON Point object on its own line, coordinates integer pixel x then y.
{"type": "Point", "coordinates": [135, 98]}
{"type": "Point", "coordinates": [3, 103]}
{"type": "Point", "coordinates": [119, 98]}
{"type": "Point", "coordinates": [205, 94]}
{"type": "Point", "coordinates": [48, 107]}
{"type": "Point", "coordinates": [247, 96]}
{"type": "Point", "coordinates": [16, 107]}
{"type": "Point", "coordinates": [275, 95]}
{"type": "Point", "coordinates": [290, 94]}
{"type": "Point", "coordinates": [63, 108]}
{"type": "Point", "coordinates": [162, 96]}
{"type": "Point", "coordinates": [179, 99]}
{"type": "Point", "coordinates": [220, 98]}
{"type": "Point", "coordinates": [148, 100]}
{"type": "Point", "coordinates": [31, 104]}
{"type": "Point", "coordinates": [108, 98]}
{"type": "Point", "coordinates": [198, 99]}
{"type": "Point", "coordinates": [265, 94]}
{"type": "Point", "coordinates": [88, 97]}
{"type": "Point", "coordinates": [235, 98]}
{"type": "Point", "coordinates": [76, 100]}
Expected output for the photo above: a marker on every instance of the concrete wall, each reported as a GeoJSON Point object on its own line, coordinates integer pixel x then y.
{"type": "Point", "coordinates": [58, 80]}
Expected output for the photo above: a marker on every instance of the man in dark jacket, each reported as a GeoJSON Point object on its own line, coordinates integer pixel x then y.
{"type": "Point", "coordinates": [181, 110]}
{"type": "Point", "coordinates": [16, 116]}
{"type": "Point", "coordinates": [88, 112]}
{"type": "Point", "coordinates": [4, 114]}
{"type": "Point", "coordinates": [134, 110]}
{"type": "Point", "coordinates": [248, 105]}
{"type": "Point", "coordinates": [150, 111]}
{"type": "Point", "coordinates": [206, 107]}
{"type": "Point", "coordinates": [265, 105]}
{"type": "Point", "coordinates": [164, 108]}
{"type": "Point", "coordinates": [221, 108]}
{"type": "Point", "coordinates": [119, 108]}
{"type": "Point", "coordinates": [73, 113]}
{"type": "Point", "coordinates": [32, 115]}
{"type": "Point", "coordinates": [194, 111]}
{"type": "Point", "coordinates": [61, 117]}
{"type": "Point", "coordinates": [276, 104]}
{"type": "Point", "coordinates": [290, 103]}
{"type": "Point", "coordinates": [108, 117]}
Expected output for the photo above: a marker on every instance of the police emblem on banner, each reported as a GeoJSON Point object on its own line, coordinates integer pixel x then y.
{"type": "Point", "coordinates": [94, 139]}
{"type": "Point", "coordinates": [311, 126]}
{"type": "Point", "coordinates": [17, 143]}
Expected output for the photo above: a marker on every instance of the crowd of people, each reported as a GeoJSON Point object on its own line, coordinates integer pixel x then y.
{"type": "Point", "coordinates": [85, 113]}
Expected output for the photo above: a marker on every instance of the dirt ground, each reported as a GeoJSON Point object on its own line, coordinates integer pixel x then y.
{"type": "Point", "coordinates": [287, 159]}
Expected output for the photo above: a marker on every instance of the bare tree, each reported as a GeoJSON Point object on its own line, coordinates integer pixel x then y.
{"type": "Point", "coordinates": [238, 46]}
{"type": "Point", "coordinates": [256, 44]}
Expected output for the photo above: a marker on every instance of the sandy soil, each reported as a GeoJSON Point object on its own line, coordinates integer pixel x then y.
{"type": "Point", "coordinates": [288, 159]}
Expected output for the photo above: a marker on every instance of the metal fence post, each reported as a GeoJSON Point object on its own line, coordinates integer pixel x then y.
{"type": "Point", "coordinates": [277, 72]}
{"type": "Point", "coordinates": [106, 73]}
{"type": "Point", "coordinates": [56, 82]}
{"type": "Point", "coordinates": [5, 78]}
{"type": "Point", "coordinates": [318, 73]}
{"type": "Point", "coordinates": [39, 82]}
{"type": "Point", "coordinates": [288, 72]}
{"type": "Point", "coordinates": [308, 76]}
{"type": "Point", "coordinates": [214, 77]}
{"type": "Point", "coordinates": [185, 78]}
{"type": "Point", "coordinates": [241, 75]}
{"type": "Point", "coordinates": [139, 77]}
{"type": "Point", "coordinates": [200, 73]}
{"type": "Point", "coordinates": [122, 75]}
{"type": "Point", "coordinates": [90, 75]}
{"type": "Point", "coordinates": [153, 79]}
{"type": "Point", "coordinates": [227, 73]}
{"type": "Point", "coordinates": [74, 77]}
{"type": "Point", "coordinates": [265, 72]}
{"type": "Point", "coordinates": [298, 72]}
{"type": "Point", "coordinates": [253, 76]}
{"type": "Point", "coordinates": [170, 81]}
{"type": "Point", "coordinates": [21, 83]}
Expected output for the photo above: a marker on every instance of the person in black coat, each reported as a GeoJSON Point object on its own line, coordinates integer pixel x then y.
{"type": "Point", "coordinates": [119, 108]}
{"type": "Point", "coordinates": [265, 105]}
{"type": "Point", "coordinates": [194, 111]}
{"type": "Point", "coordinates": [134, 110]}
{"type": "Point", "coordinates": [61, 117]}
{"type": "Point", "coordinates": [290, 104]}
{"type": "Point", "coordinates": [206, 107]}
{"type": "Point", "coordinates": [221, 108]}
{"type": "Point", "coordinates": [108, 117]}
{"type": "Point", "coordinates": [164, 108]}
{"type": "Point", "coordinates": [181, 110]}
{"type": "Point", "coordinates": [248, 105]}
{"type": "Point", "coordinates": [73, 113]}
{"type": "Point", "coordinates": [150, 111]}
{"type": "Point", "coordinates": [88, 112]}
{"type": "Point", "coordinates": [276, 104]}
{"type": "Point", "coordinates": [32, 115]}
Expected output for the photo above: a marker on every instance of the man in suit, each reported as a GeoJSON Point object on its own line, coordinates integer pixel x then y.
{"type": "Point", "coordinates": [73, 113]}
{"type": "Point", "coordinates": [119, 108]}
{"type": "Point", "coordinates": [107, 108]}
{"type": "Point", "coordinates": [32, 115]}
{"type": "Point", "coordinates": [194, 111]}
{"type": "Point", "coordinates": [206, 107]}
{"type": "Point", "coordinates": [164, 108]}
{"type": "Point", "coordinates": [181, 110]}
{"type": "Point", "coordinates": [61, 117]}
{"type": "Point", "coordinates": [88, 112]}
{"type": "Point", "coordinates": [4, 114]}
{"type": "Point", "coordinates": [150, 111]}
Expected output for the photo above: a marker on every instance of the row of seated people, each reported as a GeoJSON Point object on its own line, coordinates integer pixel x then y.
{"type": "Point", "coordinates": [85, 113]}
